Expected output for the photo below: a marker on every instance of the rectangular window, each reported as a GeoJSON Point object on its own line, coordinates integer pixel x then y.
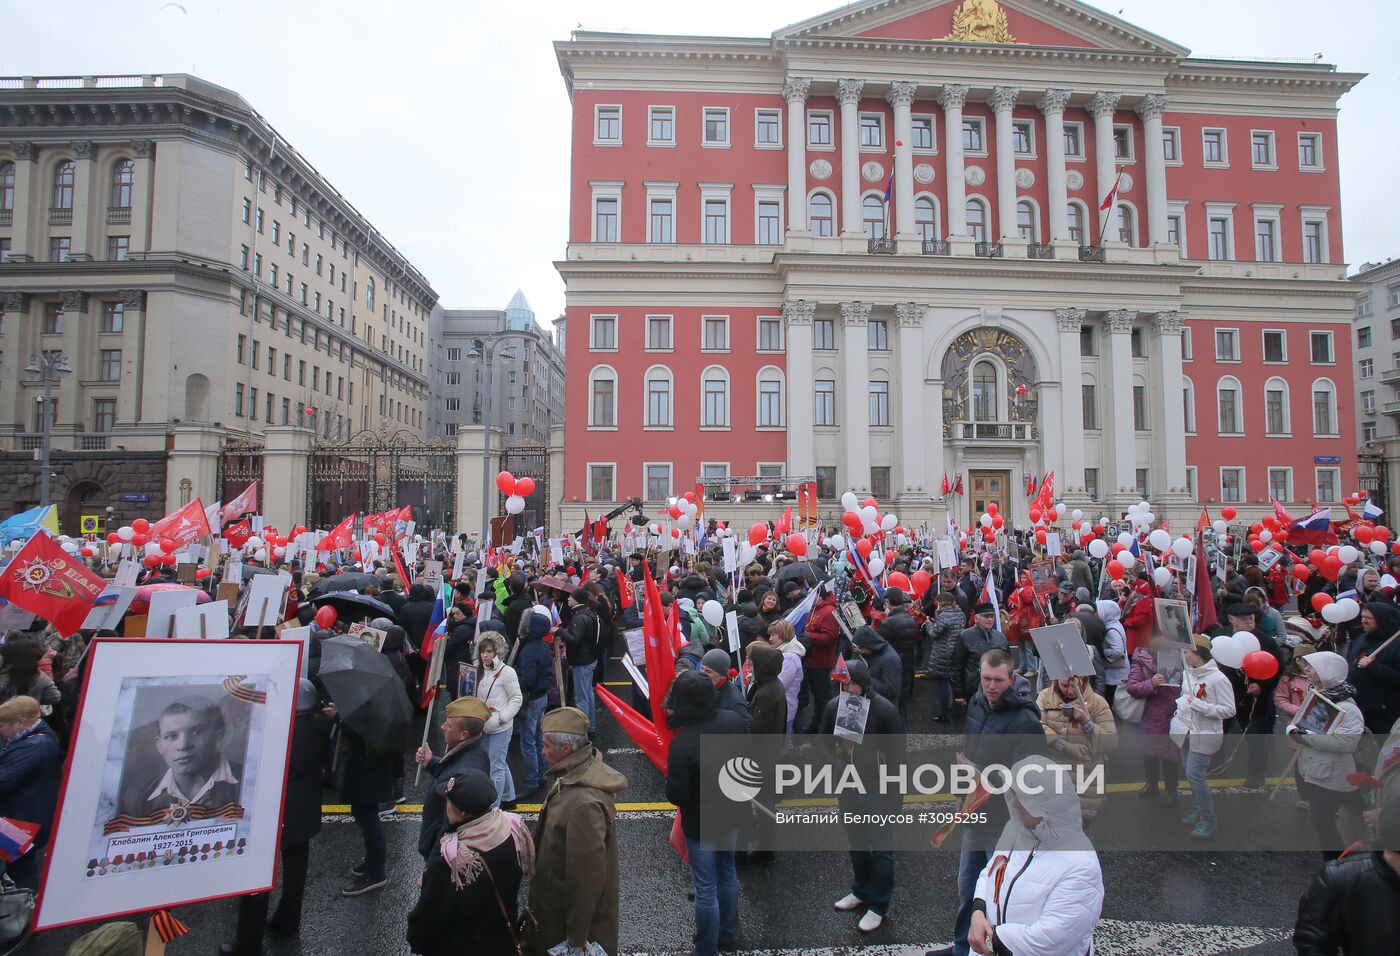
{"type": "Point", "coordinates": [1091, 483]}
{"type": "Point", "coordinates": [659, 401]}
{"type": "Point", "coordinates": [1275, 412]}
{"type": "Point", "coordinates": [454, 355]}
{"type": "Point", "coordinates": [1140, 408]}
{"type": "Point", "coordinates": [1174, 234]}
{"type": "Point", "coordinates": [1141, 478]}
{"type": "Point", "coordinates": [716, 132]}
{"type": "Point", "coordinates": [1213, 147]}
{"type": "Point", "coordinates": [1122, 142]}
{"type": "Point", "coordinates": [1309, 151]}
{"type": "Point", "coordinates": [1328, 480]}
{"type": "Point", "coordinates": [921, 132]}
{"type": "Point", "coordinates": [768, 128]}
{"type": "Point", "coordinates": [1368, 431]}
{"type": "Point", "coordinates": [600, 482]}
{"type": "Point", "coordinates": [972, 135]}
{"type": "Point", "coordinates": [104, 415]}
{"type": "Point", "coordinates": [272, 274]}
{"type": "Point", "coordinates": [1265, 240]}
{"type": "Point", "coordinates": [53, 319]}
{"type": "Point", "coordinates": [1228, 402]}
{"type": "Point", "coordinates": [276, 233]}
{"type": "Point", "coordinates": [716, 333]}
{"type": "Point", "coordinates": [609, 124]}
{"type": "Point", "coordinates": [659, 333]}
{"type": "Point", "coordinates": [109, 365]}
{"type": "Point", "coordinates": [877, 335]}
{"type": "Point", "coordinates": [880, 403]}
{"type": "Point", "coordinates": [1227, 345]}
{"type": "Point", "coordinates": [1021, 142]}
{"type": "Point", "coordinates": [770, 223]}
{"type": "Point", "coordinates": [59, 248]}
{"type": "Point", "coordinates": [1219, 236]}
{"type": "Point", "coordinates": [880, 481]}
{"type": "Point", "coordinates": [1091, 406]}
{"type": "Point", "coordinates": [1088, 345]}
{"type": "Point", "coordinates": [1261, 149]}
{"type": "Point", "coordinates": [770, 404]}
{"type": "Point", "coordinates": [1186, 345]}
{"type": "Point", "coordinates": [1171, 144]}
{"type": "Point", "coordinates": [716, 220]}
{"type": "Point", "coordinates": [1279, 484]}
{"type": "Point", "coordinates": [661, 227]}
{"type": "Point", "coordinates": [1324, 422]}
{"type": "Point", "coordinates": [260, 220]}
{"type": "Point", "coordinates": [452, 404]}
{"type": "Point", "coordinates": [1314, 232]}
{"type": "Point", "coordinates": [818, 128]}
{"type": "Point", "coordinates": [872, 131]}
{"type": "Point", "coordinates": [826, 481]}
{"type": "Point", "coordinates": [661, 126]}
{"type": "Point", "coordinates": [605, 219]}
{"type": "Point", "coordinates": [247, 210]}
{"type": "Point", "coordinates": [113, 317]}
{"type": "Point", "coordinates": [1074, 141]}
{"type": "Point", "coordinates": [1363, 338]}
{"type": "Point", "coordinates": [603, 403]}
{"type": "Point", "coordinates": [1366, 368]}
{"type": "Point", "coordinates": [1368, 402]}
{"type": "Point", "coordinates": [826, 401]}
{"type": "Point", "coordinates": [1191, 481]}
{"type": "Point", "coordinates": [238, 399]}
{"type": "Point", "coordinates": [1232, 484]}
{"type": "Point", "coordinates": [770, 334]}
{"type": "Point", "coordinates": [1321, 347]}
{"type": "Point", "coordinates": [1136, 344]}
{"type": "Point", "coordinates": [257, 263]}
{"type": "Point", "coordinates": [1188, 410]}
{"type": "Point", "coordinates": [117, 248]}
{"type": "Point", "coordinates": [824, 334]}
{"type": "Point", "coordinates": [658, 482]}
{"type": "Point", "coordinates": [604, 334]}
{"type": "Point", "coordinates": [1275, 346]}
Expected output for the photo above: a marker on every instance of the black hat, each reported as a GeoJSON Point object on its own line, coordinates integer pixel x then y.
{"type": "Point", "coordinates": [984, 608]}
{"type": "Point", "coordinates": [470, 791]}
{"type": "Point", "coordinates": [1241, 610]}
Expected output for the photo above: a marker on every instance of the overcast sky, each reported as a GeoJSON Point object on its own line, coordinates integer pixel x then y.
{"type": "Point", "coordinates": [446, 123]}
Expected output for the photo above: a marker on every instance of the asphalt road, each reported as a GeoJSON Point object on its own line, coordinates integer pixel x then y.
{"type": "Point", "coordinates": [1194, 904]}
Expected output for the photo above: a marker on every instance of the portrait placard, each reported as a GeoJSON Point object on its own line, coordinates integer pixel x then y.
{"type": "Point", "coordinates": [172, 793]}
{"type": "Point", "coordinates": [1174, 620]}
{"type": "Point", "coordinates": [852, 713]}
{"type": "Point", "coordinates": [161, 617]}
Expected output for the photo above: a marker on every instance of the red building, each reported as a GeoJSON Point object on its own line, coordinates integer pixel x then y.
{"type": "Point", "coordinates": [743, 302]}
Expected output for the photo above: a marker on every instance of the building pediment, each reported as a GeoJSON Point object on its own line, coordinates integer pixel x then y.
{"type": "Point", "coordinates": [1044, 23]}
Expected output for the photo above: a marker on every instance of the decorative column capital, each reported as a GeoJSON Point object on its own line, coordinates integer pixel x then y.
{"type": "Point", "coordinates": [854, 314]}
{"type": "Point", "coordinates": [910, 315]}
{"type": "Point", "coordinates": [16, 302]}
{"type": "Point", "coordinates": [1168, 323]}
{"type": "Point", "coordinates": [799, 312]}
{"type": "Point", "coordinates": [1120, 321]}
{"type": "Point", "coordinates": [133, 299]}
{"type": "Point", "coordinates": [1003, 98]}
{"type": "Point", "coordinates": [84, 148]}
{"type": "Point", "coordinates": [848, 91]}
{"type": "Point", "coordinates": [1053, 101]}
{"type": "Point", "coordinates": [953, 97]}
{"type": "Point", "coordinates": [1069, 320]}
{"type": "Point", "coordinates": [25, 150]}
{"type": "Point", "coordinates": [143, 148]}
{"type": "Point", "coordinates": [74, 301]}
{"type": "Point", "coordinates": [901, 93]}
{"type": "Point", "coordinates": [795, 88]}
{"type": "Point", "coordinates": [1152, 106]}
{"type": "Point", "coordinates": [1103, 104]}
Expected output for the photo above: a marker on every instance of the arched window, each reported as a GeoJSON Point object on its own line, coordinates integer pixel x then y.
{"type": "Point", "coordinates": [602, 397]}
{"type": "Point", "coordinates": [1188, 411]}
{"type": "Point", "coordinates": [714, 398]}
{"type": "Point", "coordinates": [1089, 402]}
{"type": "Point", "coordinates": [1229, 409]}
{"type": "Point", "coordinates": [64, 174]}
{"type": "Point", "coordinates": [977, 219]}
{"type": "Point", "coordinates": [820, 215]}
{"type": "Point", "coordinates": [770, 397]}
{"type": "Point", "coordinates": [926, 217]}
{"type": "Point", "coordinates": [659, 403]}
{"type": "Point", "coordinates": [985, 404]}
{"type": "Point", "coordinates": [7, 185]}
{"type": "Point", "coordinates": [123, 178]}
{"type": "Point", "coordinates": [1324, 407]}
{"type": "Point", "coordinates": [1276, 417]}
{"type": "Point", "coordinates": [872, 212]}
{"type": "Point", "coordinates": [369, 292]}
{"type": "Point", "coordinates": [1026, 226]}
{"type": "Point", "coordinates": [1075, 218]}
{"type": "Point", "coordinates": [1127, 224]}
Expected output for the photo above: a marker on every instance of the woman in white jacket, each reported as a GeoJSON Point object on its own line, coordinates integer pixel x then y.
{"type": "Point", "coordinates": [1206, 701]}
{"type": "Point", "coordinates": [498, 686]}
{"type": "Point", "coordinates": [1325, 759]}
{"type": "Point", "coordinates": [1115, 647]}
{"type": "Point", "coordinates": [1042, 891]}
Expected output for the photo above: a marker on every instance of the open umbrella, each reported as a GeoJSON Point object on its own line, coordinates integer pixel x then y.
{"type": "Point", "coordinates": [345, 581]}
{"type": "Point", "coordinates": [141, 603]}
{"type": "Point", "coordinates": [368, 694]}
{"type": "Point", "coordinates": [352, 605]}
{"type": "Point", "coordinates": [808, 572]}
{"type": "Point", "coordinates": [559, 585]}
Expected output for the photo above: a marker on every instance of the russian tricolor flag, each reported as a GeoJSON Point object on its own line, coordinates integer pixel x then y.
{"type": "Point", "coordinates": [1317, 521]}
{"type": "Point", "coordinates": [863, 570]}
{"type": "Point", "coordinates": [989, 596]}
{"type": "Point", "coordinates": [799, 615]}
{"type": "Point", "coordinates": [16, 838]}
{"type": "Point", "coordinates": [1369, 511]}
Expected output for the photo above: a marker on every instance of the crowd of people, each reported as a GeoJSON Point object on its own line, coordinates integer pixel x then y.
{"type": "Point", "coordinates": [522, 656]}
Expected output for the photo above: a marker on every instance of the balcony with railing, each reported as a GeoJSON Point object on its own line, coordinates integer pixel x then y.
{"type": "Point", "coordinates": [883, 246]}
{"type": "Point", "coordinates": [29, 441]}
{"type": "Point", "coordinates": [1040, 250]}
{"type": "Point", "coordinates": [1092, 254]}
{"type": "Point", "coordinates": [118, 215]}
{"type": "Point", "coordinates": [988, 250]}
{"type": "Point", "coordinates": [937, 247]}
{"type": "Point", "coordinates": [94, 442]}
{"type": "Point", "coordinates": [60, 217]}
{"type": "Point", "coordinates": [1391, 409]}
{"type": "Point", "coordinates": [1390, 376]}
{"type": "Point", "coordinates": [7, 217]}
{"type": "Point", "coordinates": [992, 431]}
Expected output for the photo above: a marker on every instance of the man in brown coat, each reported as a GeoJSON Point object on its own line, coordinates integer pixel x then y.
{"type": "Point", "coordinates": [574, 892]}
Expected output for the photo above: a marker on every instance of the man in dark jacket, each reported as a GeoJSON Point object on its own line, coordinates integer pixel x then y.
{"type": "Point", "coordinates": [534, 667]}
{"type": "Point", "coordinates": [1353, 907]}
{"type": "Point", "coordinates": [517, 602]}
{"type": "Point", "coordinates": [1003, 725]}
{"type": "Point", "coordinates": [751, 626]}
{"type": "Point", "coordinates": [820, 636]}
{"type": "Point", "coordinates": [886, 674]}
{"type": "Point", "coordinates": [975, 641]}
{"type": "Point", "coordinates": [461, 733]}
{"type": "Point", "coordinates": [728, 696]}
{"type": "Point", "coordinates": [969, 588]}
{"type": "Point", "coordinates": [901, 631]}
{"type": "Point", "coordinates": [29, 771]}
{"type": "Point", "coordinates": [692, 706]}
{"type": "Point", "coordinates": [581, 643]}
{"type": "Point", "coordinates": [416, 612]}
{"type": "Point", "coordinates": [1373, 671]}
{"type": "Point", "coordinates": [766, 696]}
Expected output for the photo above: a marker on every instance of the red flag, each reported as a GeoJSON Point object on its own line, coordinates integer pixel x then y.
{"type": "Point", "coordinates": [1280, 513]}
{"type": "Point", "coordinates": [699, 503]}
{"type": "Point", "coordinates": [1030, 485]}
{"type": "Point", "coordinates": [1204, 523]}
{"type": "Point", "coordinates": [958, 489]}
{"type": "Point", "coordinates": [840, 673]}
{"type": "Point", "coordinates": [237, 535]}
{"type": "Point", "coordinates": [660, 654]}
{"type": "Point", "coordinates": [43, 579]}
{"type": "Point", "coordinates": [245, 504]}
{"type": "Point", "coordinates": [1205, 594]}
{"type": "Point", "coordinates": [947, 485]}
{"type": "Point", "coordinates": [340, 536]}
{"type": "Point", "coordinates": [585, 535]}
{"type": "Point", "coordinates": [641, 731]}
{"type": "Point", "coordinates": [183, 526]}
{"type": "Point", "coordinates": [626, 596]}
{"type": "Point", "coordinates": [1046, 499]}
{"type": "Point", "coordinates": [600, 529]}
{"type": "Point", "coordinates": [1108, 200]}
{"type": "Point", "coordinates": [398, 566]}
{"type": "Point", "coordinates": [785, 522]}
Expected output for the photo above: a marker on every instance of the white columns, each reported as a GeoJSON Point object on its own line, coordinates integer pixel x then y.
{"type": "Point", "coordinates": [952, 100]}
{"type": "Point", "coordinates": [141, 151]}
{"type": "Point", "coordinates": [901, 97]}
{"type": "Point", "coordinates": [1101, 108]}
{"type": "Point", "coordinates": [83, 152]}
{"type": "Point", "coordinates": [795, 92]}
{"type": "Point", "coordinates": [1071, 401]}
{"type": "Point", "coordinates": [801, 455]}
{"type": "Point", "coordinates": [913, 432]}
{"type": "Point", "coordinates": [1151, 109]}
{"type": "Point", "coordinates": [1168, 413]}
{"type": "Point", "coordinates": [1002, 101]}
{"type": "Point", "coordinates": [848, 95]}
{"type": "Point", "coordinates": [1120, 438]}
{"type": "Point", "coordinates": [855, 418]}
{"type": "Point", "coordinates": [1052, 105]}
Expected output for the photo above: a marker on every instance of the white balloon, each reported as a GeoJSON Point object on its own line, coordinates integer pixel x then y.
{"type": "Point", "coordinates": [1226, 652]}
{"type": "Point", "coordinates": [713, 612]}
{"type": "Point", "coordinates": [838, 542]}
{"type": "Point", "coordinates": [125, 533]}
{"type": "Point", "coordinates": [671, 500]}
{"type": "Point", "coordinates": [279, 552]}
{"type": "Point", "coordinates": [1127, 559]}
{"type": "Point", "coordinates": [1124, 538]}
{"type": "Point", "coordinates": [1104, 520]}
{"type": "Point", "coordinates": [1332, 614]}
{"type": "Point", "coordinates": [1349, 607]}
{"type": "Point", "coordinates": [889, 522]}
{"type": "Point", "coordinates": [1144, 506]}
{"type": "Point", "coordinates": [1378, 547]}
{"type": "Point", "coordinates": [1162, 576]}
{"type": "Point", "coordinates": [514, 505]}
{"type": "Point", "coordinates": [1266, 536]}
{"type": "Point", "coordinates": [253, 543]}
{"type": "Point", "coordinates": [986, 520]}
{"type": "Point", "coordinates": [1219, 526]}
{"type": "Point", "coordinates": [1077, 514]}
{"type": "Point", "coordinates": [71, 547]}
{"type": "Point", "coordinates": [850, 502]}
{"type": "Point", "coordinates": [1182, 547]}
{"type": "Point", "coordinates": [1347, 553]}
{"type": "Point", "coordinates": [876, 564]}
{"type": "Point", "coordinates": [1246, 641]}
{"type": "Point", "coordinates": [870, 527]}
{"type": "Point", "coordinates": [684, 521]}
{"type": "Point", "coordinates": [1059, 507]}
{"type": "Point", "coordinates": [1098, 548]}
{"type": "Point", "coordinates": [260, 554]}
{"type": "Point", "coordinates": [1148, 517]}
{"type": "Point", "coordinates": [1160, 540]}
{"type": "Point", "coordinates": [869, 514]}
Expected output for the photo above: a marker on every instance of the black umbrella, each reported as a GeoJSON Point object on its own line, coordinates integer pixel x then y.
{"type": "Point", "coordinates": [368, 695]}
{"type": "Point", "coordinates": [354, 605]}
{"type": "Point", "coordinates": [345, 581]}
{"type": "Point", "coordinates": [809, 572]}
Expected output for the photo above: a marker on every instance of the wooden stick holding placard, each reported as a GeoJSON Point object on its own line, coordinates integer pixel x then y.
{"type": "Point", "coordinates": [155, 946]}
{"type": "Point", "coordinates": [262, 616]}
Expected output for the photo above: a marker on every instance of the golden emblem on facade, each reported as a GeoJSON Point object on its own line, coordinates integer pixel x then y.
{"type": "Point", "coordinates": [980, 21]}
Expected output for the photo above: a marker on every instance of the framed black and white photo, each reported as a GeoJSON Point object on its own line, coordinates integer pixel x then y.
{"type": "Point", "coordinates": [1317, 714]}
{"type": "Point", "coordinates": [1174, 620]}
{"type": "Point", "coordinates": [172, 793]}
{"type": "Point", "coordinates": [852, 712]}
{"type": "Point", "coordinates": [1171, 664]}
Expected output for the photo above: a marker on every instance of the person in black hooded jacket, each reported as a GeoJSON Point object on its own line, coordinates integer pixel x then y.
{"type": "Point", "coordinates": [886, 673]}
{"type": "Point", "coordinates": [534, 668]}
{"type": "Point", "coordinates": [902, 633]}
{"type": "Point", "coordinates": [416, 612]}
{"type": "Point", "coordinates": [1375, 673]}
{"type": "Point", "coordinates": [1353, 907]}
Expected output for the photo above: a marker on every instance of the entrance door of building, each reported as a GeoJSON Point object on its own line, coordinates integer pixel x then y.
{"type": "Point", "coordinates": [987, 487]}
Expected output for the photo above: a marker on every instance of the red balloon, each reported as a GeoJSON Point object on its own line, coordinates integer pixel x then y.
{"type": "Point", "coordinates": [1301, 572]}
{"type": "Point", "coordinates": [870, 503]}
{"type": "Point", "coordinates": [674, 511]}
{"type": "Point", "coordinates": [992, 508]}
{"type": "Point", "coordinates": [898, 579]}
{"type": "Point", "coordinates": [1320, 600]}
{"type": "Point", "coordinates": [202, 573]}
{"type": "Point", "coordinates": [1260, 665]}
{"type": "Point", "coordinates": [505, 481]}
{"type": "Point", "coordinates": [140, 526]}
{"type": "Point", "coordinates": [1228, 513]}
{"type": "Point", "coordinates": [326, 617]}
{"type": "Point", "coordinates": [113, 538]}
{"type": "Point", "coordinates": [688, 496]}
{"type": "Point", "coordinates": [138, 539]}
{"type": "Point", "coordinates": [852, 521]}
{"type": "Point", "coordinates": [1116, 570]}
{"type": "Point", "coordinates": [1256, 545]}
{"type": "Point", "coordinates": [168, 560]}
{"type": "Point", "coordinates": [1381, 532]}
{"type": "Point", "coordinates": [87, 552]}
{"type": "Point", "coordinates": [1086, 536]}
{"type": "Point", "coordinates": [1395, 548]}
{"type": "Point", "coordinates": [1040, 536]}
{"type": "Point", "coordinates": [758, 533]}
{"type": "Point", "coordinates": [1271, 522]}
{"type": "Point", "coordinates": [921, 580]}
{"type": "Point", "coordinates": [997, 520]}
{"type": "Point", "coordinates": [151, 561]}
{"type": "Point", "coordinates": [524, 487]}
{"type": "Point", "coordinates": [1098, 529]}
{"type": "Point", "coordinates": [1364, 534]}
{"type": "Point", "coordinates": [864, 546]}
{"type": "Point", "coordinates": [1035, 516]}
{"type": "Point", "coordinates": [380, 539]}
{"type": "Point", "coordinates": [167, 545]}
{"type": "Point", "coordinates": [1255, 528]}
{"type": "Point", "coordinates": [796, 544]}
{"type": "Point", "coordinates": [1054, 515]}
{"type": "Point", "coordinates": [1116, 547]}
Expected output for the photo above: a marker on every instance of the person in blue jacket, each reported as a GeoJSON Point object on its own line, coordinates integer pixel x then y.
{"type": "Point", "coordinates": [29, 770]}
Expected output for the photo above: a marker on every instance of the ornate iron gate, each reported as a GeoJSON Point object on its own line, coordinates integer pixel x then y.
{"type": "Point", "coordinates": [528, 460]}
{"type": "Point", "coordinates": [240, 464]}
{"type": "Point", "coordinates": [378, 470]}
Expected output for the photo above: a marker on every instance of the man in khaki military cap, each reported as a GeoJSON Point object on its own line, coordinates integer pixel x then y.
{"type": "Point", "coordinates": [461, 733]}
{"type": "Point", "coordinates": [573, 893]}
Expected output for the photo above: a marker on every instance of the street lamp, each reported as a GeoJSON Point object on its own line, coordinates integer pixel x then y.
{"type": "Point", "coordinates": [509, 352]}
{"type": "Point", "coordinates": [50, 365]}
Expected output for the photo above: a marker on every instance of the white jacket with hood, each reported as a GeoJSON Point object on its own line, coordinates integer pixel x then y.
{"type": "Point", "coordinates": [1325, 759]}
{"type": "Point", "coordinates": [1206, 701]}
{"type": "Point", "coordinates": [1042, 889]}
{"type": "Point", "coordinates": [500, 688]}
{"type": "Point", "coordinates": [1115, 643]}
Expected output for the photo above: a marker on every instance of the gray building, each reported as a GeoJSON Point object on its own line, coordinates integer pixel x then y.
{"type": "Point", "coordinates": [1377, 379]}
